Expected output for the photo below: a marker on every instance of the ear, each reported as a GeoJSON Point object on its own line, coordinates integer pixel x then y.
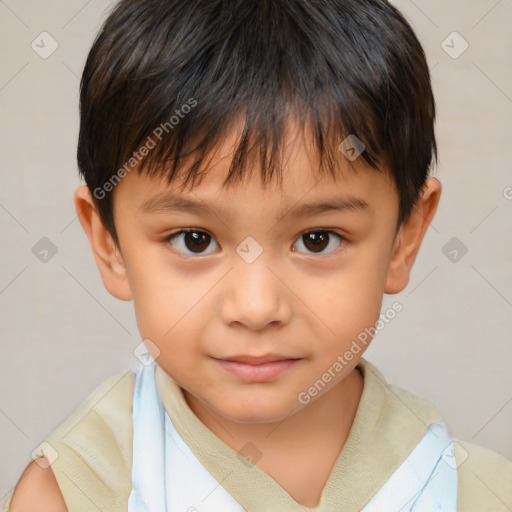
{"type": "Point", "coordinates": [409, 238]}
{"type": "Point", "coordinates": [106, 253]}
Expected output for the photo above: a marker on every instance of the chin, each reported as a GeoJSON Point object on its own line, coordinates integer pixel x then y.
{"type": "Point", "coordinates": [257, 412]}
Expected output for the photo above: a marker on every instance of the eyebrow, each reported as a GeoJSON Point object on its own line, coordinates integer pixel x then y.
{"type": "Point", "coordinates": [172, 203]}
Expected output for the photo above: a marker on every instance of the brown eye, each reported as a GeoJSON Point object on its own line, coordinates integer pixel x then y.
{"type": "Point", "coordinates": [317, 241]}
{"type": "Point", "coordinates": [194, 241]}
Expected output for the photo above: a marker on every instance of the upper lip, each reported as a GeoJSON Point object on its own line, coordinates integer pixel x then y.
{"type": "Point", "coordinates": [255, 360]}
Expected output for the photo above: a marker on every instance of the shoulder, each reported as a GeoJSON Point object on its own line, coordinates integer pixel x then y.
{"type": "Point", "coordinates": [38, 491]}
{"type": "Point", "coordinates": [485, 479]}
{"type": "Point", "coordinates": [91, 450]}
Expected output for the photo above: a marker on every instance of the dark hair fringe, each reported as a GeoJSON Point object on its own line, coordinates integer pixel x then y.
{"type": "Point", "coordinates": [336, 67]}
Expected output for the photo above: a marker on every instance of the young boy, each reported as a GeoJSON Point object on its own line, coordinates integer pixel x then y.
{"type": "Point", "coordinates": [257, 180]}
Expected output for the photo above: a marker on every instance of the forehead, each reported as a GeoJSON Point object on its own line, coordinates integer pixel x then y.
{"type": "Point", "coordinates": [299, 185]}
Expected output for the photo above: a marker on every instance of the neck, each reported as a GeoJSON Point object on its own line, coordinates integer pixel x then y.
{"type": "Point", "coordinates": [300, 451]}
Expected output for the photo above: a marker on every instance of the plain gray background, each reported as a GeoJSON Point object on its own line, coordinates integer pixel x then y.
{"type": "Point", "coordinates": [62, 334]}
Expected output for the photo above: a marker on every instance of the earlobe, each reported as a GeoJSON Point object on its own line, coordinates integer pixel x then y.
{"type": "Point", "coordinates": [410, 236]}
{"type": "Point", "coordinates": [106, 253]}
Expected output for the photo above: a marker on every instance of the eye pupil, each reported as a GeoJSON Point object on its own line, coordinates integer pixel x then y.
{"type": "Point", "coordinates": [197, 240]}
{"type": "Point", "coordinates": [319, 240]}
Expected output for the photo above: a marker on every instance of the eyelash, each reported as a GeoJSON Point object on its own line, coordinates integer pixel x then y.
{"type": "Point", "coordinates": [341, 238]}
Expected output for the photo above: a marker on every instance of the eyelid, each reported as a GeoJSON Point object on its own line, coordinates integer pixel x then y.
{"type": "Point", "coordinates": [323, 230]}
{"type": "Point", "coordinates": [187, 230]}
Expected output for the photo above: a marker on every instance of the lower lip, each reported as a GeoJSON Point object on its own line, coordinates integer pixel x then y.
{"type": "Point", "coordinates": [257, 372]}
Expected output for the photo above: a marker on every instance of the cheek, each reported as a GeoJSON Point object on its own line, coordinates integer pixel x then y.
{"type": "Point", "coordinates": [154, 309]}
{"type": "Point", "coordinates": [350, 302]}
{"type": "Point", "coordinates": [160, 297]}
{"type": "Point", "coordinates": [352, 310]}
{"type": "Point", "coordinates": [170, 313]}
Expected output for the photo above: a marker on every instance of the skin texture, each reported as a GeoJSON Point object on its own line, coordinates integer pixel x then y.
{"type": "Point", "coordinates": [296, 299]}
{"type": "Point", "coordinates": [37, 490]}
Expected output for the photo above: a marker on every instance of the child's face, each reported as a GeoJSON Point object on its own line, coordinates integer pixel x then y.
{"type": "Point", "coordinates": [204, 301]}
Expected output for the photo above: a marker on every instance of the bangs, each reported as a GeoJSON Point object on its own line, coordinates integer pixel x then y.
{"type": "Point", "coordinates": [166, 81]}
{"type": "Point", "coordinates": [184, 150]}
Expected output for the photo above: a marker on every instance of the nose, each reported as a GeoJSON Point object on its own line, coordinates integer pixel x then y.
{"type": "Point", "coordinates": [255, 296]}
